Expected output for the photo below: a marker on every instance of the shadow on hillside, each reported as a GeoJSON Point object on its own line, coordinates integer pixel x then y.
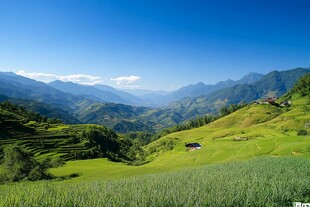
{"type": "Point", "coordinates": [13, 129]}
{"type": "Point", "coordinates": [68, 177]}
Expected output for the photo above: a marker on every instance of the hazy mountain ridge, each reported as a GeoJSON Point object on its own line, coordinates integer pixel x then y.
{"type": "Point", "coordinates": [130, 99]}
{"type": "Point", "coordinates": [199, 89]}
{"type": "Point", "coordinates": [17, 86]}
{"type": "Point", "coordinates": [89, 91]}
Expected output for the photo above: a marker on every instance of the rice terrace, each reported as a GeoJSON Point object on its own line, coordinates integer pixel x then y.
{"type": "Point", "coordinates": [97, 105]}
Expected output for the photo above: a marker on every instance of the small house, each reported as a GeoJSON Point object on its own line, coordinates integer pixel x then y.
{"type": "Point", "coordinates": [286, 103]}
{"type": "Point", "coordinates": [270, 100]}
{"type": "Point", "coordinates": [193, 146]}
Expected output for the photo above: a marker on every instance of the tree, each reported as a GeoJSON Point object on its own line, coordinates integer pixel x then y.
{"type": "Point", "coordinates": [19, 164]}
{"type": "Point", "coordinates": [107, 142]}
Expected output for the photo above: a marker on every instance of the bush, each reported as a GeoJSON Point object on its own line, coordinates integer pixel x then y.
{"type": "Point", "coordinates": [57, 162]}
{"type": "Point", "coordinates": [302, 132]}
{"type": "Point", "coordinates": [19, 164]}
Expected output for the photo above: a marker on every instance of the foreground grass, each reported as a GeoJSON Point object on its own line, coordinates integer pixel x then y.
{"type": "Point", "coordinates": [266, 181]}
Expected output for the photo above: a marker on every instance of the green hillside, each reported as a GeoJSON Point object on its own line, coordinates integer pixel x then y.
{"type": "Point", "coordinates": [43, 109]}
{"type": "Point", "coordinates": [252, 131]}
{"type": "Point", "coordinates": [46, 137]}
{"type": "Point", "coordinates": [118, 117]}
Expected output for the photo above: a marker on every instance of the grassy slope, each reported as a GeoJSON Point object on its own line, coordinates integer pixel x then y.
{"type": "Point", "coordinates": [272, 131]}
{"type": "Point", "coordinates": [256, 182]}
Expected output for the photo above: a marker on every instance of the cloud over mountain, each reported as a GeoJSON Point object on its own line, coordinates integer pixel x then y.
{"type": "Point", "coordinates": [125, 81]}
{"type": "Point", "coordinates": [76, 78]}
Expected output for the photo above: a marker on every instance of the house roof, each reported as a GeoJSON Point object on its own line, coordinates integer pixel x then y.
{"type": "Point", "coordinates": [193, 145]}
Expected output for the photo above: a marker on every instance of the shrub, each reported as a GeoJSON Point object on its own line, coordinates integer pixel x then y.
{"type": "Point", "coordinates": [302, 132]}
{"type": "Point", "coordinates": [19, 164]}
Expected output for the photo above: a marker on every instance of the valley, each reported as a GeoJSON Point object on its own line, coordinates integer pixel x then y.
{"type": "Point", "coordinates": [263, 146]}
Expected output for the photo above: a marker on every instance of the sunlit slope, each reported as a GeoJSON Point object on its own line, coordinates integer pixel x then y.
{"type": "Point", "coordinates": [269, 130]}
{"type": "Point", "coordinates": [264, 130]}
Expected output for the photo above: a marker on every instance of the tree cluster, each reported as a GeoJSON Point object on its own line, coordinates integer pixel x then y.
{"type": "Point", "coordinates": [104, 142]}
{"type": "Point", "coordinates": [226, 110]}
{"type": "Point", "coordinates": [19, 164]}
{"type": "Point", "coordinates": [302, 86]}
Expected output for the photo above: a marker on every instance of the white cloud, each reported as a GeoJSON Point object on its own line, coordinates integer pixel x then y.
{"type": "Point", "coordinates": [76, 78]}
{"type": "Point", "coordinates": [124, 81]}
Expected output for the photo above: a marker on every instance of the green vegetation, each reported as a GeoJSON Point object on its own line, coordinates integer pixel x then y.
{"type": "Point", "coordinates": [268, 129]}
{"type": "Point", "coordinates": [257, 182]}
{"type": "Point", "coordinates": [46, 110]}
{"type": "Point", "coordinates": [19, 164]}
{"type": "Point", "coordinates": [302, 87]}
{"type": "Point", "coordinates": [46, 137]}
{"type": "Point", "coordinates": [196, 122]}
{"type": "Point", "coordinates": [118, 117]}
{"type": "Point", "coordinates": [26, 114]}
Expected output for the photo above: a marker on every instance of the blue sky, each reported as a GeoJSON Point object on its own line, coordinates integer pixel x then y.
{"type": "Point", "coordinates": [148, 44]}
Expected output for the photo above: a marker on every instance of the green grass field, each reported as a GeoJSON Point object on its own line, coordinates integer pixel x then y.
{"type": "Point", "coordinates": [265, 181]}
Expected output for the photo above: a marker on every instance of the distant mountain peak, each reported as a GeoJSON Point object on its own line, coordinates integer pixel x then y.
{"type": "Point", "coordinates": [200, 84]}
{"type": "Point", "coordinates": [250, 78]}
{"type": "Point", "coordinates": [55, 81]}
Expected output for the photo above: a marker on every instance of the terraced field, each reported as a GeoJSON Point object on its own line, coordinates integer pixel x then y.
{"type": "Point", "coordinates": [48, 140]}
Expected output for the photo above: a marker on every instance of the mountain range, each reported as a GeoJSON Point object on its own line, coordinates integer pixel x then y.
{"type": "Point", "coordinates": [124, 112]}
{"type": "Point", "coordinates": [201, 89]}
{"type": "Point", "coordinates": [145, 98]}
